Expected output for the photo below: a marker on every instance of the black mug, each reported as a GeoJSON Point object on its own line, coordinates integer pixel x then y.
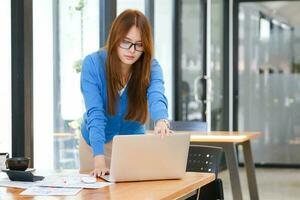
{"type": "Point", "coordinates": [17, 163]}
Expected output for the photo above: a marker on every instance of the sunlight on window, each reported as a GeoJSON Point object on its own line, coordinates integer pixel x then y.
{"type": "Point", "coordinates": [132, 4]}
{"type": "Point", "coordinates": [264, 29]}
{"type": "Point", "coordinates": [64, 32]}
{"type": "Point", "coordinates": [5, 76]}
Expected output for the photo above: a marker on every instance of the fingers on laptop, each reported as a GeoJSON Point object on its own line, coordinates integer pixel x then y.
{"type": "Point", "coordinates": [99, 172]}
{"type": "Point", "coordinates": [162, 131]}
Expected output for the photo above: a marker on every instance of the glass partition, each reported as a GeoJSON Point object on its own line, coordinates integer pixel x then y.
{"type": "Point", "coordinates": [269, 79]}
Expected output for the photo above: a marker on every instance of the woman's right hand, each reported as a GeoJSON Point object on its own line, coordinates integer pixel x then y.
{"type": "Point", "coordinates": [99, 167]}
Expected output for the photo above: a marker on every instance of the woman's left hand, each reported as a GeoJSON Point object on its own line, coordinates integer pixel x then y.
{"type": "Point", "coordinates": [162, 128]}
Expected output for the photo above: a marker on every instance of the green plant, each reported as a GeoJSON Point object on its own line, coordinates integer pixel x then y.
{"type": "Point", "coordinates": [79, 7]}
{"type": "Point", "coordinates": [77, 66]}
{"type": "Point", "coordinates": [75, 124]}
{"type": "Point", "coordinates": [296, 68]}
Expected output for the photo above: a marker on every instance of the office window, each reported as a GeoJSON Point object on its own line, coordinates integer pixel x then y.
{"type": "Point", "coordinates": [191, 94]}
{"type": "Point", "coordinates": [216, 65]}
{"type": "Point", "coordinates": [163, 42]}
{"type": "Point", "coordinates": [5, 76]}
{"type": "Point", "coordinates": [130, 4]}
{"type": "Point", "coordinates": [63, 33]}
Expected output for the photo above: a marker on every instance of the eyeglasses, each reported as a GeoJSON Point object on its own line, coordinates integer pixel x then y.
{"type": "Point", "coordinates": [127, 45]}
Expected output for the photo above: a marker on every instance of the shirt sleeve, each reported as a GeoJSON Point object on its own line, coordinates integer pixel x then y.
{"type": "Point", "coordinates": [95, 113]}
{"type": "Point", "coordinates": [157, 101]}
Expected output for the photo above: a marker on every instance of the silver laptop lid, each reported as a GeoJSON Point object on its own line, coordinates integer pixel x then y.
{"type": "Point", "coordinates": [148, 157]}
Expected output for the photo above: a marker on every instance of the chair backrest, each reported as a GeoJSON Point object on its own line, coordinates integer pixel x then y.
{"type": "Point", "coordinates": [204, 158]}
{"type": "Point", "coordinates": [188, 126]}
{"type": "Point", "coordinates": [201, 158]}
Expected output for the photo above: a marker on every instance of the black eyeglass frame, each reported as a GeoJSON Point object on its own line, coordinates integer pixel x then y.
{"type": "Point", "coordinates": [131, 44]}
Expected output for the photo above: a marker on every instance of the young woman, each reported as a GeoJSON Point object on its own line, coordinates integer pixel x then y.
{"type": "Point", "coordinates": [119, 84]}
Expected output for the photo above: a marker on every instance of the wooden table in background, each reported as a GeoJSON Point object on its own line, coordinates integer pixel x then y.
{"type": "Point", "coordinates": [150, 190]}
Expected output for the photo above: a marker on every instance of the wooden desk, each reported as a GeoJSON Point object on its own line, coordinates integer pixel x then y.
{"type": "Point", "coordinates": [228, 140]}
{"type": "Point", "coordinates": [167, 189]}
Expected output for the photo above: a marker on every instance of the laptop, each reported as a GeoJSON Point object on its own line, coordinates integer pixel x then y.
{"type": "Point", "coordinates": [148, 157]}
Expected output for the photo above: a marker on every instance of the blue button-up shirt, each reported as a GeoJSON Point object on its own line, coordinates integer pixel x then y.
{"type": "Point", "coordinates": [98, 126]}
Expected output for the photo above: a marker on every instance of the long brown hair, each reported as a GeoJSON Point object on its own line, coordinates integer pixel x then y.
{"type": "Point", "coordinates": [137, 107]}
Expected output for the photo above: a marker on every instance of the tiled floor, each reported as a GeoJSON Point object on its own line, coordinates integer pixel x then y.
{"type": "Point", "coordinates": [273, 184]}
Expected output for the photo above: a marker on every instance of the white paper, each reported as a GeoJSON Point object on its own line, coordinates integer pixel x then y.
{"type": "Point", "coordinates": [57, 180]}
{"type": "Point", "coordinates": [71, 182]}
{"type": "Point", "coordinates": [3, 175]}
{"type": "Point", "coordinates": [5, 182]}
{"type": "Point", "coordinates": [50, 191]}
{"type": "Point", "coordinates": [17, 184]}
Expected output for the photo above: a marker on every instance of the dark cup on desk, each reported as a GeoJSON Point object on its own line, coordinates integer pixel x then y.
{"type": "Point", "coordinates": [17, 163]}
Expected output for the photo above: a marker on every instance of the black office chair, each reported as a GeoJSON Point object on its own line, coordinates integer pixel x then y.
{"type": "Point", "coordinates": [202, 159]}
{"type": "Point", "coordinates": [206, 159]}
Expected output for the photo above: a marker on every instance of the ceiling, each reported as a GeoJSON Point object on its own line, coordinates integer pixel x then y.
{"type": "Point", "coordinates": [286, 11]}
